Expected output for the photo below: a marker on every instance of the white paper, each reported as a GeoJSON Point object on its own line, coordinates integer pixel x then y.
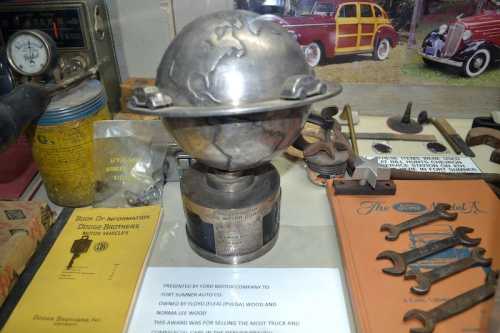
{"type": "Point", "coordinates": [452, 164]}
{"type": "Point", "coordinates": [240, 300]}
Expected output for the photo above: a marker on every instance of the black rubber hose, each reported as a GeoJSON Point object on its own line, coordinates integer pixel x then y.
{"type": "Point", "coordinates": [18, 109]}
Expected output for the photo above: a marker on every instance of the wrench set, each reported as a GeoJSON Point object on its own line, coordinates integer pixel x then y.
{"type": "Point", "coordinates": [424, 280]}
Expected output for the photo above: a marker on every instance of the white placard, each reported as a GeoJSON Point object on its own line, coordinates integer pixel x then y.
{"type": "Point", "coordinates": [240, 300]}
{"type": "Point", "coordinates": [452, 164]}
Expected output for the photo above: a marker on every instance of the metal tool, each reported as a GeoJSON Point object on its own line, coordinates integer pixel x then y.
{"type": "Point", "coordinates": [486, 122]}
{"type": "Point", "coordinates": [368, 171]}
{"type": "Point", "coordinates": [427, 279]}
{"type": "Point", "coordinates": [368, 178]}
{"type": "Point", "coordinates": [423, 118]}
{"type": "Point", "coordinates": [485, 136]}
{"type": "Point", "coordinates": [404, 124]}
{"type": "Point", "coordinates": [440, 212]}
{"type": "Point", "coordinates": [79, 247]}
{"type": "Point", "coordinates": [454, 306]}
{"type": "Point", "coordinates": [354, 142]}
{"type": "Point", "coordinates": [452, 137]}
{"type": "Point", "coordinates": [353, 187]}
{"type": "Point", "coordinates": [455, 137]}
{"type": "Point", "coordinates": [328, 156]}
{"type": "Point", "coordinates": [394, 137]}
{"type": "Point", "coordinates": [402, 260]}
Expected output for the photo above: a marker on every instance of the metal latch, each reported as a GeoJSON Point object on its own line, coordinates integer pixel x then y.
{"type": "Point", "coordinates": [368, 179]}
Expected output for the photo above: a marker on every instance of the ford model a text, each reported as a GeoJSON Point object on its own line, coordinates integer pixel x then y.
{"type": "Point", "coordinates": [471, 43]}
{"type": "Point", "coordinates": [326, 28]}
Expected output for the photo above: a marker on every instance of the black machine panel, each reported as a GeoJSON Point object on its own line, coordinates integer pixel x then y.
{"type": "Point", "coordinates": [63, 25]}
{"type": "Point", "coordinates": [81, 30]}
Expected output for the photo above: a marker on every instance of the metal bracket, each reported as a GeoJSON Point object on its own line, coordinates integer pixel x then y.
{"type": "Point", "coordinates": [369, 171]}
{"type": "Point", "coordinates": [368, 179]}
{"type": "Point", "coordinates": [221, 110]}
{"type": "Point", "coordinates": [353, 187]}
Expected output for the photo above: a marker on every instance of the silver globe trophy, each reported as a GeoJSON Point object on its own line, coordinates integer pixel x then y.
{"type": "Point", "coordinates": [234, 91]}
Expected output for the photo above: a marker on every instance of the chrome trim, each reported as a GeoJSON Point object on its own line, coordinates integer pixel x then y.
{"type": "Point", "coordinates": [442, 60]}
{"type": "Point", "coordinates": [453, 39]}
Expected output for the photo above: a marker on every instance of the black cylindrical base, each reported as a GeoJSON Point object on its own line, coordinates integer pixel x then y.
{"type": "Point", "coordinates": [227, 223]}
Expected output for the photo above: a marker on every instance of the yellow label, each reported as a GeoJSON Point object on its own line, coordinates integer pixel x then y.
{"type": "Point", "coordinates": [96, 293]}
{"type": "Point", "coordinates": [64, 156]}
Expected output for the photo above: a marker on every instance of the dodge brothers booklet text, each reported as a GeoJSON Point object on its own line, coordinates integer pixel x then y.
{"type": "Point", "coordinates": [88, 281]}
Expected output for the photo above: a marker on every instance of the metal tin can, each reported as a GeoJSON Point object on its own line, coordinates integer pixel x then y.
{"type": "Point", "coordinates": [225, 223]}
{"type": "Point", "coordinates": [63, 144]}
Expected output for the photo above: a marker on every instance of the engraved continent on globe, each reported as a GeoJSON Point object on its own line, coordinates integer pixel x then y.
{"type": "Point", "coordinates": [229, 58]}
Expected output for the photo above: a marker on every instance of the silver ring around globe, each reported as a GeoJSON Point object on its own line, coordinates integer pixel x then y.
{"type": "Point", "coordinates": [333, 89]}
{"type": "Point", "coordinates": [231, 63]}
{"type": "Point", "coordinates": [234, 143]}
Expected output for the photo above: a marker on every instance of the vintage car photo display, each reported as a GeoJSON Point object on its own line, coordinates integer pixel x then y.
{"type": "Point", "coordinates": [471, 43]}
{"type": "Point", "coordinates": [335, 27]}
{"type": "Point", "coordinates": [429, 42]}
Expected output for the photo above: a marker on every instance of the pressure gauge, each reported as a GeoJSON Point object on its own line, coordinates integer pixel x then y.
{"type": "Point", "coordinates": [31, 52]}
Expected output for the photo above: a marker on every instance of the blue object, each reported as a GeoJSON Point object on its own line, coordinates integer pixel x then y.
{"type": "Point", "coordinates": [80, 102]}
{"type": "Point", "coordinates": [441, 258]}
{"type": "Point", "coordinates": [433, 45]}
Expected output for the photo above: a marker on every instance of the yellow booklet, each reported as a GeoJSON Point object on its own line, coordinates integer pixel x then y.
{"type": "Point", "coordinates": [89, 279]}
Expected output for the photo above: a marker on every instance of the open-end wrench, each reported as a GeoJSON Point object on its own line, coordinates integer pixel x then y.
{"type": "Point", "coordinates": [454, 306]}
{"type": "Point", "coordinates": [402, 260]}
{"type": "Point", "coordinates": [440, 212]}
{"type": "Point", "coordinates": [427, 279]}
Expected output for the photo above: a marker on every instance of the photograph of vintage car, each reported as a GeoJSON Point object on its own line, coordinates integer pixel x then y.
{"type": "Point", "coordinates": [471, 43]}
{"type": "Point", "coordinates": [348, 38]}
{"type": "Point", "coordinates": [327, 28]}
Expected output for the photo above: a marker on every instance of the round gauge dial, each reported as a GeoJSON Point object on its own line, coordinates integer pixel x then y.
{"type": "Point", "coordinates": [31, 52]}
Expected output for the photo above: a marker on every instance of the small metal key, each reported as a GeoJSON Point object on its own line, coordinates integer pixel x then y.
{"type": "Point", "coordinates": [427, 279]}
{"type": "Point", "coordinates": [440, 212]}
{"type": "Point", "coordinates": [454, 306]}
{"type": "Point", "coordinates": [79, 246]}
{"type": "Point", "coordinates": [401, 260]}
